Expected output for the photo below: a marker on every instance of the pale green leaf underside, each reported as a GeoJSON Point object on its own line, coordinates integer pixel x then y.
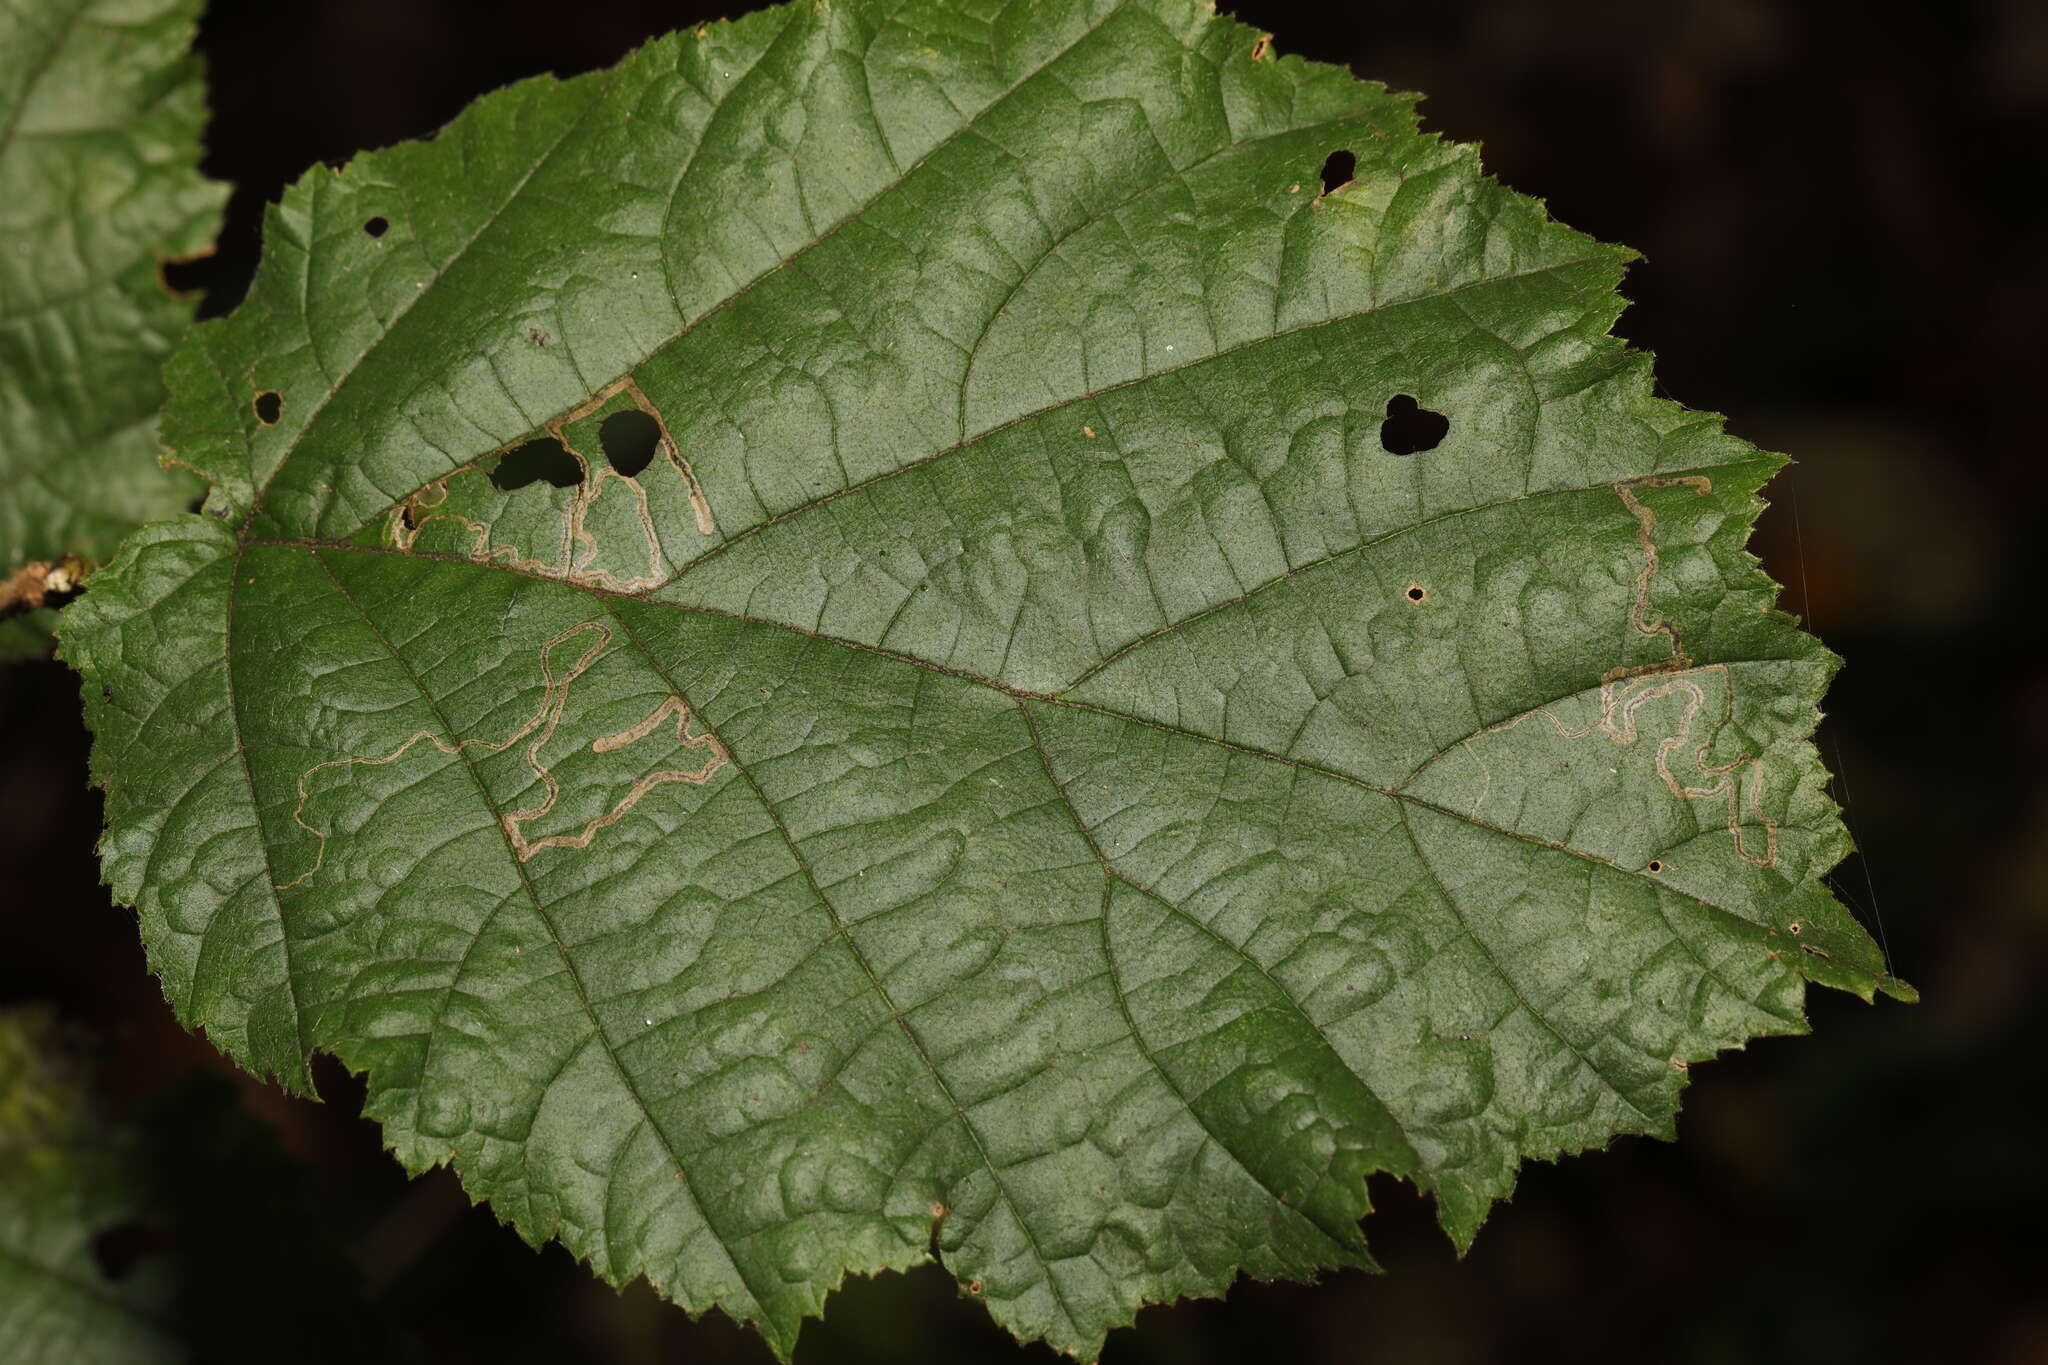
{"type": "Point", "coordinates": [991, 768]}
{"type": "Point", "coordinates": [100, 114]}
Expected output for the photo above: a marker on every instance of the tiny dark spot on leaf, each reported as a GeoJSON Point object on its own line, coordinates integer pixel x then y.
{"type": "Point", "coordinates": [1417, 593]}
{"type": "Point", "coordinates": [629, 439]}
{"type": "Point", "coordinates": [269, 407]}
{"type": "Point", "coordinates": [1656, 866]}
{"type": "Point", "coordinates": [1411, 428]}
{"type": "Point", "coordinates": [377, 226]}
{"type": "Point", "coordinates": [545, 459]}
{"type": "Point", "coordinates": [1338, 170]}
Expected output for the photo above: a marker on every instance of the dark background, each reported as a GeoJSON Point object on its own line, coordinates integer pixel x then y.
{"type": "Point", "coordinates": [1842, 253]}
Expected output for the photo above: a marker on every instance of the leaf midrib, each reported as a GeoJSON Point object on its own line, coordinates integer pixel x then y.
{"type": "Point", "coordinates": [1016, 693]}
{"type": "Point", "coordinates": [1400, 797]}
{"type": "Point", "coordinates": [300, 1080]}
{"type": "Point", "coordinates": [1297, 571]}
{"type": "Point", "coordinates": [1057, 699]}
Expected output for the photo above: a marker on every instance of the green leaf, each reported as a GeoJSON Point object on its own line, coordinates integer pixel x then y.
{"type": "Point", "coordinates": [1021, 774]}
{"type": "Point", "coordinates": [114, 1235]}
{"type": "Point", "coordinates": [101, 107]}
{"type": "Point", "coordinates": [65, 1178]}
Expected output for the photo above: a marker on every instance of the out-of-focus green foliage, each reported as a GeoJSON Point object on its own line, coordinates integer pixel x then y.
{"type": "Point", "coordinates": [64, 1180]}
{"type": "Point", "coordinates": [101, 107]}
{"type": "Point", "coordinates": [182, 1232]}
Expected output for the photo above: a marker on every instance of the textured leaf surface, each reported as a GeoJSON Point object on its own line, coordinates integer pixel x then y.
{"type": "Point", "coordinates": [1004, 762]}
{"type": "Point", "coordinates": [101, 108]}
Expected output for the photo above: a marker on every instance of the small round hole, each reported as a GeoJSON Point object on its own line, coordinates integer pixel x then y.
{"type": "Point", "coordinates": [540, 461]}
{"type": "Point", "coordinates": [1417, 593]}
{"type": "Point", "coordinates": [629, 439]}
{"type": "Point", "coordinates": [269, 407]}
{"type": "Point", "coordinates": [1655, 866]}
{"type": "Point", "coordinates": [1338, 170]}
{"type": "Point", "coordinates": [377, 226]}
{"type": "Point", "coordinates": [1411, 428]}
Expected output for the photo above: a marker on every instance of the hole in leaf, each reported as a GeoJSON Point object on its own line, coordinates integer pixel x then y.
{"type": "Point", "coordinates": [1417, 593]}
{"type": "Point", "coordinates": [216, 281]}
{"type": "Point", "coordinates": [1656, 866]}
{"type": "Point", "coordinates": [116, 1249]}
{"type": "Point", "coordinates": [377, 226]}
{"type": "Point", "coordinates": [629, 439]}
{"type": "Point", "coordinates": [543, 460]}
{"type": "Point", "coordinates": [184, 276]}
{"type": "Point", "coordinates": [1410, 427]}
{"type": "Point", "coordinates": [269, 407]}
{"type": "Point", "coordinates": [1338, 170]}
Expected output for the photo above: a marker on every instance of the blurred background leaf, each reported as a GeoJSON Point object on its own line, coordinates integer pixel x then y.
{"type": "Point", "coordinates": [101, 106]}
{"type": "Point", "coordinates": [180, 1232]}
